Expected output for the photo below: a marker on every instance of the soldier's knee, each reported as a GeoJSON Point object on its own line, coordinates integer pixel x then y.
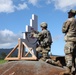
{"type": "Point", "coordinates": [68, 57]}
{"type": "Point", "coordinates": [68, 48]}
{"type": "Point", "coordinates": [69, 64]}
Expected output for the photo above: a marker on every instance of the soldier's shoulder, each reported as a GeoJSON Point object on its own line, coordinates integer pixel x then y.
{"type": "Point", "coordinates": [45, 31]}
{"type": "Point", "coordinates": [71, 19]}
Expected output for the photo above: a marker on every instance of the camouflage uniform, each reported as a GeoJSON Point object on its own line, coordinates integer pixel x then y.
{"type": "Point", "coordinates": [69, 28]}
{"type": "Point", "coordinates": [44, 40]}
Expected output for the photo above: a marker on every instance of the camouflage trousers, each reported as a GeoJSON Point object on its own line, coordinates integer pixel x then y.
{"type": "Point", "coordinates": [70, 54]}
{"type": "Point", "coordinates": [43, 51]}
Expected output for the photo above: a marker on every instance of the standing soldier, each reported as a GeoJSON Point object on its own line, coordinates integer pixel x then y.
{"type": "Point", "coordinates": [44, 41]}
{"type": "Point", "coordinates": [69, 28]}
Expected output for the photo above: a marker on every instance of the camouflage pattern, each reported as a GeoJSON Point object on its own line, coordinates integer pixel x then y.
{"type": "Point", "coordinates": [72, 11]}
{"type": "Point", "coordinates": [44, 38]}
{"type": "Point", "coordinates": [43, 51]}
{"type": "Point", "coordinates": [68, 49]}
{"type": "Point", "coordinates": [44, 42]}
{"type": "Point", "coordinates": [69, 28]}
{"type": "Point", "coordinates": [43, 24]}
{"type": "Point", "coordinates": [54, 62]}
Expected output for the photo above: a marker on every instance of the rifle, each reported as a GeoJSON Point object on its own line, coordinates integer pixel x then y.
{"type": "Point", "coordinates": [33, 32]}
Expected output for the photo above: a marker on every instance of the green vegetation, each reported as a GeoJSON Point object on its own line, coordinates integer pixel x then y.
{"type": "Point", "coordinates": [2, 61]}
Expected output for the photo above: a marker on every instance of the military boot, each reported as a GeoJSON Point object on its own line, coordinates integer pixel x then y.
{"type": "Point", "coordinates": [57, 63]}
{"type": "Point", "coordinates": [73, 70]}
{"type": "Point", "coordinates": [42, 59]}
{"type": "Point", "coordinates": [66, 72]}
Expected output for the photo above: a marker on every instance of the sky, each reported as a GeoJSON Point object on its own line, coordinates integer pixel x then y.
{"type": "Point", "coordinates": [16, 14]}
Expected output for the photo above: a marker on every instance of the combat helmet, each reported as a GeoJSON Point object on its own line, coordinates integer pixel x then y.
{"type": "Point", "coordinates": [43, 24]}
{"type": "Point", "coordinates": [72, 11]}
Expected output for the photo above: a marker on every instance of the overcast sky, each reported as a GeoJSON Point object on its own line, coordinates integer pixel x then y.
{"type": "Point", "coordinates": [16, 14]}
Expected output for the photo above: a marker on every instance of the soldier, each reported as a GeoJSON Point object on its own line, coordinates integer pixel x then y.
{"type": "Point", "coordinates": [44, 41]}
{"type": "Point", "coordinates": [69, 28]}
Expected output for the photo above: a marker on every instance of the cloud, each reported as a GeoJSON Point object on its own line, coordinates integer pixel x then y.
{"type": "Point", "coordinates": [33, 2]}
{"type": "Point", "coordinates": [7, 38]}
{"type": "Point", "coordinates": [6, 45]}
{"type": "Point", "coordinates": [64, 5]}
{"type": "Point", "coordinates": [56, 38]}
{"type": "Point", "coordinates": [48, 1]}
{"type": "Point", "coordinates": [21, 6]}
{"type": "Point", "coordinates": [8, 6]}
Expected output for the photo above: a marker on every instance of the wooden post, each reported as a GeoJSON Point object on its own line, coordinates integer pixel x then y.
{"type": "Point", "coordinates": [12, 58]}
{"type": "Point", "coordinates": [19, 49]}
{"type": "Point", "coordinates": [21, 52]}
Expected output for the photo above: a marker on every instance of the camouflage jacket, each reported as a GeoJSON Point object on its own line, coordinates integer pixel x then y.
{"type": "Point", "coordinates": [69, 28]}
{"type": "Point", "coordinates": [44, 38]}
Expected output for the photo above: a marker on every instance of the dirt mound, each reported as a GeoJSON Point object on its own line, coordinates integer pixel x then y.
{"type": "Point", "coordinates": [29, 68]}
